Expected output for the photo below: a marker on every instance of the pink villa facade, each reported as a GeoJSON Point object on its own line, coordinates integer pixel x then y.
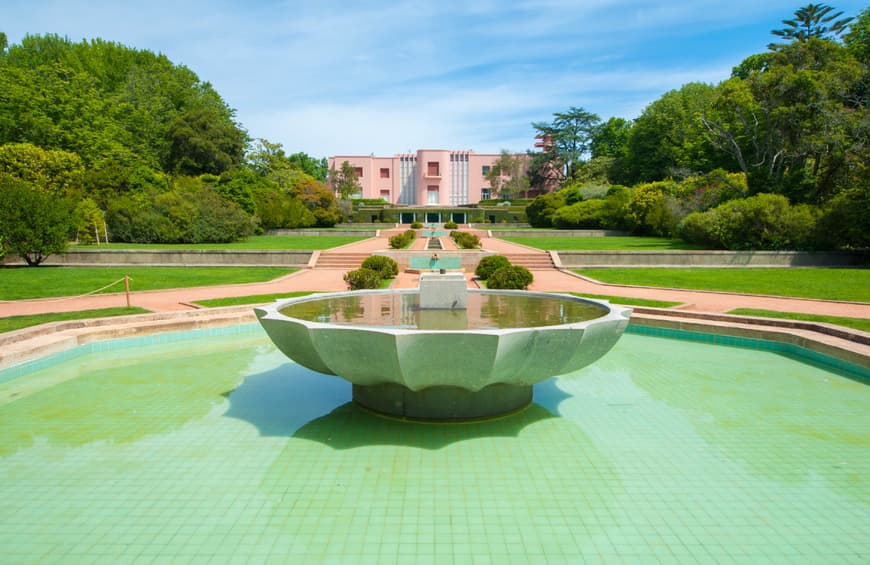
{"type": "Point", "coordinates": [429, 177]}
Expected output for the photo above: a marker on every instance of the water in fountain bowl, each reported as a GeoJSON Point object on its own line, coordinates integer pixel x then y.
{"type": "Point", "coordinates": [483, 311]}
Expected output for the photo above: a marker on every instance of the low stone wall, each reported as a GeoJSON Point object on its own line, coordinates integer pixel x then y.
{"type": "Point", "coordinates": [173, 258]}
{"type": "Point", "coordinates": [555, 233]}
{"type": "Point", "coordinates": [337, 232]}
{"type": "Point", "coordinates": [677, 258]}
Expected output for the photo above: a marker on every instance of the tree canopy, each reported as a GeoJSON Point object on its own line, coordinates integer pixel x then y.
{"type": "Point", "coordinates": [128, 139]}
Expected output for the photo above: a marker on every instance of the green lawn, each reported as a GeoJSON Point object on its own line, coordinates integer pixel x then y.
{"type": "Point", "coordinates": [250, 299]}
{"type": "Point", "coordinates": [255, 242]}
{"type": "Point", "coordinates": [38, 282]}
{"type": "Point", "coordinates": [629, 301]}
{"type": "Point", "coordinates": [826, 284]}
{"type": "Point", "coordinates": [615, 243]}
{"type": "Point", "coordinates": [862, 324]}
{"type": "Point", "coordinates": [12, 323]}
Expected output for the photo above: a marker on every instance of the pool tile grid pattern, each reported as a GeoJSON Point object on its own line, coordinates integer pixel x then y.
{"type": "Point", "coordinates": [649, 456]}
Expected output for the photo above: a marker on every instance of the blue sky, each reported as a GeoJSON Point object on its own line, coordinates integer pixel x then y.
{"type": "Point", "coordinates": [354, 78]}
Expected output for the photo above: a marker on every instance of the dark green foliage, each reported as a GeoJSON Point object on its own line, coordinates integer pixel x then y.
{"type": "Point", "coordinates": [514, 277]}
{"type": "Point", "coordinates": [196, 214]}
{"type": "Point", "coordinates": [385, 266]}
{"type": "Point", "coordinates": [362, 279]}
{"type": "Point", "coordinates": [489, 264]}
{"type": "Point", "coordinates": [402, 240]}
{"type": "Point", "coordinates": [588, 214]}
{"type": "Point", "coordinates": [763, 221]}
{"type": "Point", "coordinates": [845, 220]}
{"type": "Point", "coordinates": [540, 211]}
{"type": "Point", "coordinates": [33, 223]}
{"type": "Point", "coordinates": [451, 225]}
{"type": "Point", "coordinates": [416, 225]}
{"type": "Point", "coordinates": [465, 240]}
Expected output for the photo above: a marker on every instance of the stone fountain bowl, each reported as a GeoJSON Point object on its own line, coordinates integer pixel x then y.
{"type": "Point", "coordinates": [443, 374]}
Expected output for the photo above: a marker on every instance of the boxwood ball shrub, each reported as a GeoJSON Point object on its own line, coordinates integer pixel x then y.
{"type": "Point", "coordinates": [416, 225]}
{"type": "Point", "coordinates": [362, 278]}
{"type": "Point", "coordinates": [489, 264]}
{"type": "Point", "coordinates": [514, 277]}
{"type": "Point", "coordinates": [451, 225]}
{"type": "Point", "coordinates": [385, 266]}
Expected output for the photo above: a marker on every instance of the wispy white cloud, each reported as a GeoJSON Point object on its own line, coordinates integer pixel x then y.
{"type": "Point", "coordinates": [324, 76]}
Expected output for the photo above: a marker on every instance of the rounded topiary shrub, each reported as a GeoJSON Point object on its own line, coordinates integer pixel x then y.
{"type": "Point", "coordinates": [489, 264]}
{"type": "Point", "coordinates": [386, 266]}
{"type": "Point", "coordinates": [416, 225]}
{"type": "Point", "coordinates": [451, 225]}
{"type": "Point", "coordinates": [513, 277]}
{"type": "Point", "coordinates": [362, 278]}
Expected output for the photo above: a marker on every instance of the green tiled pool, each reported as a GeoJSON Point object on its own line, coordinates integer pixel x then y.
{"type": "Point", "coordinates": [213, 448]}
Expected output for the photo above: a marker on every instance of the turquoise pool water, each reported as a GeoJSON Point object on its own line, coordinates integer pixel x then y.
{"type": "Point", "coordinates": [220, 450]}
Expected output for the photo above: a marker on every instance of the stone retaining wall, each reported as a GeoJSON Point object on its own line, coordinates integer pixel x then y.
{"type": "Point", "coordinates": [678, 258]}
{"type": "Point", "coordinates": [553, 233]}
{"type": "Point", "coordinates": [337, 232]}
{"type": "Point", "coordinates": [172, 258]}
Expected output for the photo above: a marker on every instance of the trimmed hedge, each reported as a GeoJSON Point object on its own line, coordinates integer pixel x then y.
{"type": "Point", "coordinates": [386, 267]}
{"type": "Point", "coordinates": [403, 240]}
{"type": "Point", "coordinates": [362, 278]}
{"type": "Point", "coordinates": [465, 240]}
{"type": "Point", "coordinates": [490, 264]}
{"type": "Point", "coordinates": [514, 277]}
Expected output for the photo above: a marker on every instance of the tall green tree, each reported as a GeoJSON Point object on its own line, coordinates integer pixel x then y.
{"type": "Point", "coordinates": [812, 21]}
{"type": "Point", "coordinates": [796, 127]}
{"type": "Point", "coordinates": [507, 175]}
{"type": "Point", "coordinates": [33, 223]}
{"type": "Point", "coordinates": [571, 133]}
{"type": "Point", "coordinates": [669, 139]}
{"type": "Point", "coordinates": [858, 38]}
{"type": "Point", "coordinates": [345, 181]}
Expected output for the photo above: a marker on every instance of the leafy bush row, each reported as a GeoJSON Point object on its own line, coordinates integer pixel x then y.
{"type": "Point", "coordinates": [372, 271]}
{"type": "Point", "coordinates": [403, 240]}
{"type": "Point", "coordinates": [499, 273]}
{"type": "Point", "coordinates": [465, 240]}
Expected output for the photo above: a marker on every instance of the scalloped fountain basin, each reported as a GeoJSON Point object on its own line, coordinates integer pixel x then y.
{"type": "Point", "coordinates": [413, 362]}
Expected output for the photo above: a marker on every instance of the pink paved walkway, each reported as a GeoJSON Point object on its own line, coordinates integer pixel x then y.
{"type": "Point", "coordinates": [331, 280]}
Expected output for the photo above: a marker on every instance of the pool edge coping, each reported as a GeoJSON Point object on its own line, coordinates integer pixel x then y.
{"type": "Point", "coordinates": [30, 345]}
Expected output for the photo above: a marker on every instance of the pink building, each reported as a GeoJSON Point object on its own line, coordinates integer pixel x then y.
{"type": "Point", "coordinates": [430, 177]}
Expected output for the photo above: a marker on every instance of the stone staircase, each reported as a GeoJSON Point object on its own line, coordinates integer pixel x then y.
{"type": "Point", "coordinates": [342, 261]}
{"type": "Point", "coordinates": [532, 261]}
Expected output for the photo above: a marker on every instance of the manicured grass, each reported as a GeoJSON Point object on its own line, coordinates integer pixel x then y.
{"type": "Point", "coordinates": [614, 243]}
{"type": "Point", "coordinates": [825, 284]}
{"type": "Point", "coordinates": [12, 323]}
{"type": "Point", "coordinates": [250, 299]}
{"type": "Point", "coordinates": [39, 282]}
{"type": "Point", "coordinates": [255, 242]}
{"type": "Point", "coordinates": [862, 324]}
{"type": "Point", "coordinates": [629, 301]}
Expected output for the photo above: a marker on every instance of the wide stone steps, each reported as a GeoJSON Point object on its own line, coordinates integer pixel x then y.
{"type": "Point", "coordinates": [348, 261]}
{"type": "Point", "coordinates": [536, 261]}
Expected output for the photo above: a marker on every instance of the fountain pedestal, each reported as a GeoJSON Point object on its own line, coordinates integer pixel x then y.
{"type": "Point", "coordinates": [443, 291]}
{"type": "Point", "coordinates": [443, 402]}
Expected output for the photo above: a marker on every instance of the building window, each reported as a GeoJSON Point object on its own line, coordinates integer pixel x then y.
{"type": "Point", "coordinates": [484, 170]}
{"type": "Point", "coordinates": [385, 173]}
{"type": "Point", "coordinates": [358, 172]}
{"type": "Point", "coordinates": [385, 194]}
{"type": "Point", "coordinates": [484, 194]}
{"type": "Point", "coordinates": [432, 169]}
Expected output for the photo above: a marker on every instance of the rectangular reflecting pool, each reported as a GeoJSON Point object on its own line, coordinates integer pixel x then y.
{"type": "Point", "coordinates": [217, 449]}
